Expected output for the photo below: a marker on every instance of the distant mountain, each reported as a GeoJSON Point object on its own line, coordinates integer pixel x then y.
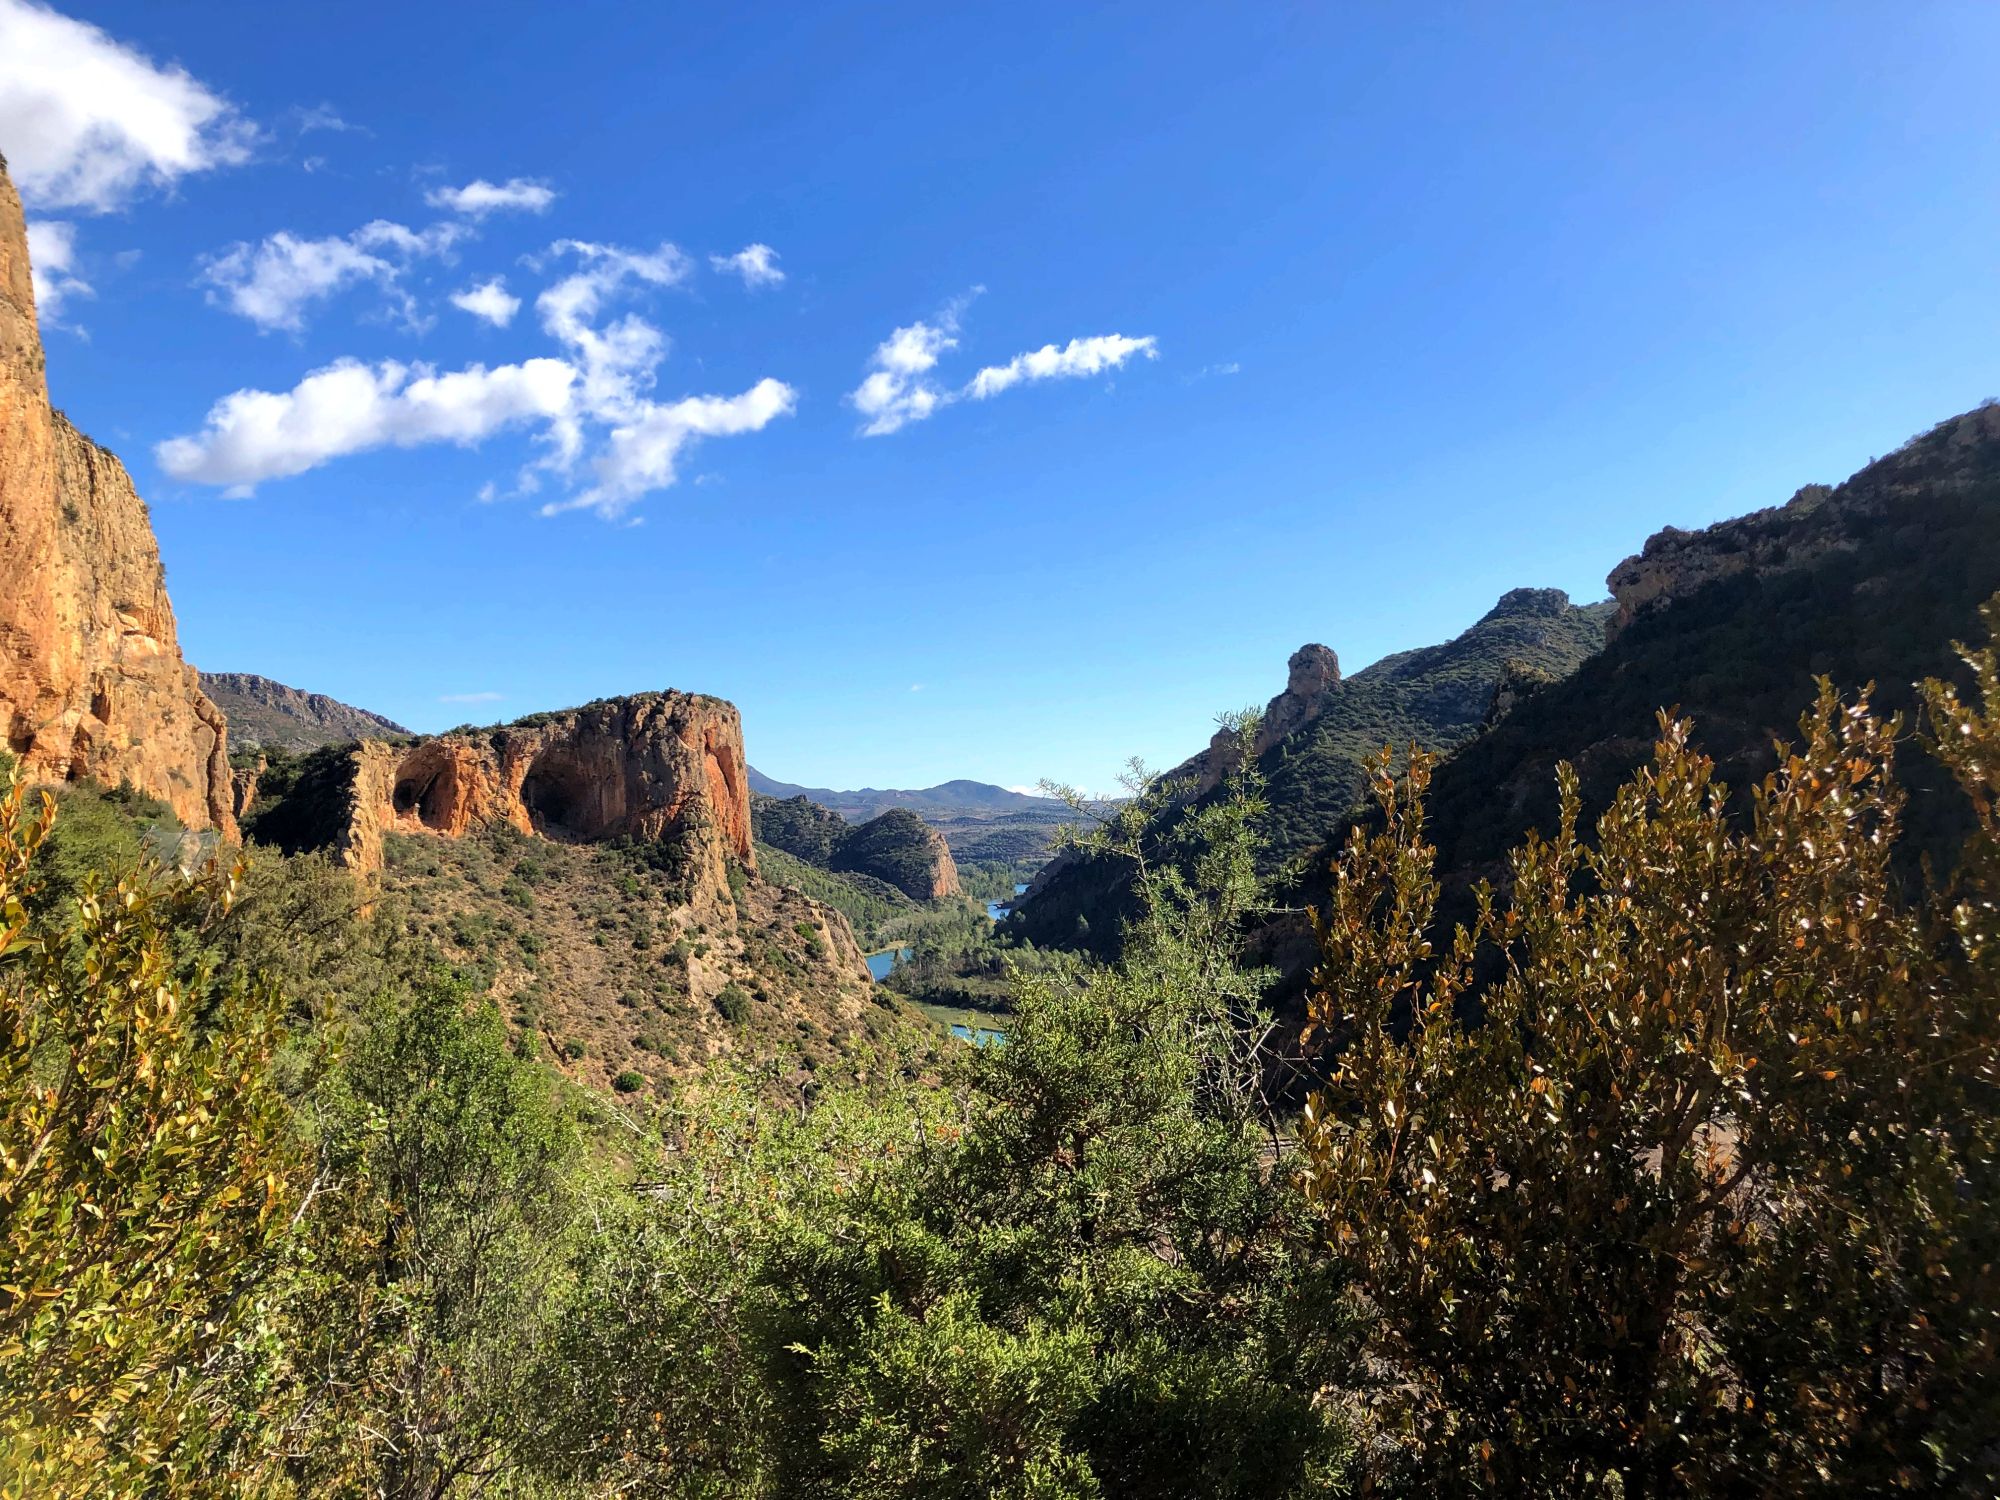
{"type": "Point", "coordinates": [1315, 736]}
{"type": "Point", "coordinates": [950, 799]}
{"type": "Point", "coordinates": [268, 715]}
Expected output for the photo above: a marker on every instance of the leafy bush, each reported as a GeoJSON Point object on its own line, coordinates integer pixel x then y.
{"type": "Point", "coordinates": [146, 1174]}
{"type": "Point", "coordinates": [1704, 1201]}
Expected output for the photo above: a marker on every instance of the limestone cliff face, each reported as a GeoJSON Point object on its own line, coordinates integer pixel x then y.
{"type": "Point", "coordinates": [653, 766]}
{"type": "Point", "coordinates": [92, 683]}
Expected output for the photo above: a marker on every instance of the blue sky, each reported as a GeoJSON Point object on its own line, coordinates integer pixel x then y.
{"type": "Point", "coordinates": [1412, 305]}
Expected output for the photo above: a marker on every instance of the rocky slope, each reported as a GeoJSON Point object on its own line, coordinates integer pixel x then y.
{"type": "Point", "coordinates": [1870, 581]}
{"type": "Point", "coordinates": [1316, 734]}
{"type": "Point", "coordinates": [264, 714]}
{"type": "Point", "coordinates": [595, 866]}
{"type": "Point", "coordinates": [896, 847]}
{"type": "Point", "coordinates": [92, 683]}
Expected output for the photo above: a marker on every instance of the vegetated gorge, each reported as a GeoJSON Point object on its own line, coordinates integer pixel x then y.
{"type": "Point", "coordinates": [1560, 1060]}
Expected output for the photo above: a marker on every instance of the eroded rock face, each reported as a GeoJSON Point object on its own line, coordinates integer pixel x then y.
{"type": "Point", "coordinates": [92, 683]}
{"type": "Point", "coordinates": [1312, 671]}
{"type": "Point", "coordinates": [653, 766]}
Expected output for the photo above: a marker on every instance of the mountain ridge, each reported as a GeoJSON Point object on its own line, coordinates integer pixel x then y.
{"type": "Point", "coordinates": [264, 713]}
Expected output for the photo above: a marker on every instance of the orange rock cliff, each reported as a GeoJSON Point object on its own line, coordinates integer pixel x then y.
{"type": "Point", "coordinates": [651, 766]}
{"type": "Point", "coordinates": [92, 682]}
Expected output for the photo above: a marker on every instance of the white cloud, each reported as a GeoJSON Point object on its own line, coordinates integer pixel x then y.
{"type": "Point", "coordinates": [900, 388]}
{"type": "Point", "coordinates": [52, 267]}
{"type": "Point", "coordinates": [486, 697]}
{"type": "Point", "coordinates": [87, 122]}
{"type": "Point", "coordinates": [617, 362]}
{"type": "Point", "coordinates": [897, 390]}
{"type": "Point", "coordinates": [349, 407]}
{"type": "Point", "coordinates": [480, 197]}
{"type": "Point", "coordinates": [599, 393]}
{"type": "Point", "coordinates": [273, 282]}
{"type": "Point", "coordinates": [640, 453]}
{"type": "Point", "coordinates": [489, 300]}
{"type": "Point", "coordinates": [756, 264]}
{"type": "Point", "coordinates": [1076, 359]}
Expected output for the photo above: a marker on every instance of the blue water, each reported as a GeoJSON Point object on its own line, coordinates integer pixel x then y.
{"type": "Point", "coordinates": [996, 911]}
{"type": "Point", "coordinates": [883, 964]}
{"type": "Point", "coordinates": [979, 1036]}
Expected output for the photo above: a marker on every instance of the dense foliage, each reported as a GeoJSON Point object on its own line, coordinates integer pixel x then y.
{"type": "Point", "coordinates": [1671, 1174]}
{"type": "Point", "coordinates": [1704, 1200]}
{"type": "Point", "coordinates": [144, 1171]}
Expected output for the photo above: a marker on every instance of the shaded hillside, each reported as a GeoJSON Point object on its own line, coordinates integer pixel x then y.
{"type": "Point", "coordinates": [264, 714]}
{"type": "Point", "coordinates": [896, 847]}
{"type": "Point", "coordinates": [1316, 735]}
{"type": "Point", "coordinates": [1867, 582]}
{"type": "Point", "coordinates": [1436, 696]}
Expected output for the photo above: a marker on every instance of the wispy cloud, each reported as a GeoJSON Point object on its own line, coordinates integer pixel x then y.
{"type": "Point", "coordinates": [275, 281]}
{"type": "Point", "coordinates": [898, 389]}
{"type": "Point", "coordinates": [479, 197]}
{"type": "Point", "coordinates": [756, 264]}
{"type": "Point", "coordinates": [52, 268]}
{"type": "Point", "coordinates": [901, 388]}
{"type": "Point", "coordinates": [1229, 368]}
{"type": "Point", "coordinates": [1076, 359]}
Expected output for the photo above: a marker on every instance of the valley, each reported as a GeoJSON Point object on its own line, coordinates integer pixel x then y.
{"type": "Point", "coordinates": [1558, 1060]}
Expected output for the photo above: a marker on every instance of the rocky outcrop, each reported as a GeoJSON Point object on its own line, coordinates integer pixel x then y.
{"type": "Point", "coordinates": [654, 767]}
{"type": "Point", "coordinates": [896, 847]}
{"type": "Point", "coordinates": [243, 781]}
{"type": "Point", "coordinates": [268, 715]}
{"type": "Point", "coordinates": [1311, 672]}
{"type": "Point", "coordinates": [1818, 521]}
{"type": "Point", "coordinates": [92, 683]}
{"type": "Point", "coordinates": [904, 850]}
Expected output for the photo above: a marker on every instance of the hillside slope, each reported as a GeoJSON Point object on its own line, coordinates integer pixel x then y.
{"type": "Point", "coordinates": [895, 847]}
{"type": "Point", "coordinates": [595, 867]}
{"type": "Point", "coordinates": [1867, 582]}
{"type": "Point", "coordinates": [1315, 736]}
{"type": "Point", "coordinates": [268, 715]}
